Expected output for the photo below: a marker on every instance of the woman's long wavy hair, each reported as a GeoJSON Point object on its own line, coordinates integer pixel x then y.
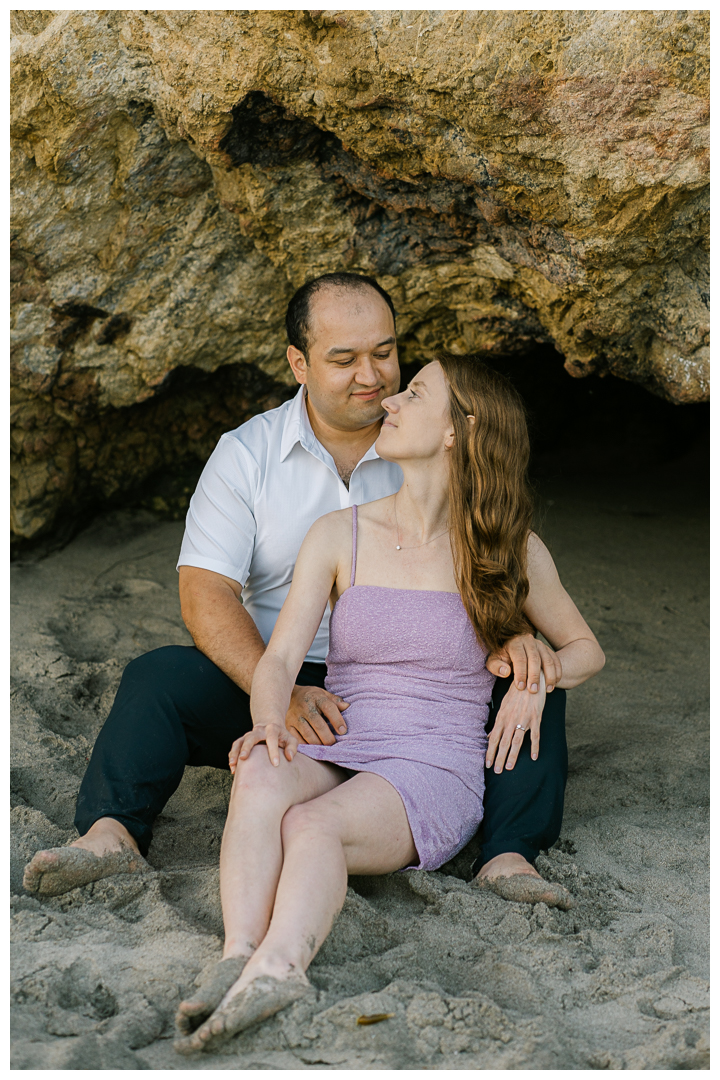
{"type": "Point", "coordinates": [490, 507]}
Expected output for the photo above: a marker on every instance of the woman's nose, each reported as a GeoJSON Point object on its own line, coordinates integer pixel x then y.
{"type": "Point", "coordinates": [391, 404]}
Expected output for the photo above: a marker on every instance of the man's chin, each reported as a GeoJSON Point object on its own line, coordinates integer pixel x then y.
{"type": "Point", "coordinates": [367, 412]}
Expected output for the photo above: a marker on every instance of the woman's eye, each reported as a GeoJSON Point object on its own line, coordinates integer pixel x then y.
{"type": "Point", "coordinates": [412, 393]}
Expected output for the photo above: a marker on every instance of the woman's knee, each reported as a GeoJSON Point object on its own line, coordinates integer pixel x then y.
{"type": "Point", "coordinates": [306, 819]}
{"type": "Point", "coordinates": [256, 775]}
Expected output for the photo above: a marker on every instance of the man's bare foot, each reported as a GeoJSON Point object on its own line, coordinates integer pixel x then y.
{"type": "Point", "coordinates": [106, 848]}
{"type": "Point", "coordinates": [512, 877]}
{"type": "Point", "coordinates": [260, 999]}
{"type": "Point", "coordinates": [213, 984]}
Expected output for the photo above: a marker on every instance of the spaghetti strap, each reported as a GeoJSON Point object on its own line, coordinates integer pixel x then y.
{"type": "Point", "coordinates": [354, 548]}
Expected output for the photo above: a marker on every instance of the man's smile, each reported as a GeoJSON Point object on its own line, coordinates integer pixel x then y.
{"type": "Point", "coordinates": [367, 395]}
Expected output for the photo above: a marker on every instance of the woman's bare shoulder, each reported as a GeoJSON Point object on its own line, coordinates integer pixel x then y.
{"type": "Point", "coordinates": [326, 540]}
{"type": "Point", "coordinates": [540, 561]}
{"type": "Point", "coordinates": [329, 526]}
{"type": "Point", "coordinates": [377, 509]}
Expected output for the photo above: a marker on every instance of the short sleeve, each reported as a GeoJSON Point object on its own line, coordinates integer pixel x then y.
{"type": "Point", "coordinates": [220, 524]}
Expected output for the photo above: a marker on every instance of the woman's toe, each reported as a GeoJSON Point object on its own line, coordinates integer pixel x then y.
{"type": "Point", "coordinates": [185, 1045]}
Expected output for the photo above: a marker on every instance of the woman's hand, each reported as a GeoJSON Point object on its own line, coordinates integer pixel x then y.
{"type": "Point", "coordinates": [273, 735]}
{"type": "Point", "coordinates": [520, 711]}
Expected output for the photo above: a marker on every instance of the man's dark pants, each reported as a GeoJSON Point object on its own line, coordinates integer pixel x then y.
{"type": "Point", "coordinates": [174, 708]}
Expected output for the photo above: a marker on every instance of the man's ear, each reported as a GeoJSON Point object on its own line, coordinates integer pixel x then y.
{"type": "Point", "coordinates": [298, 363]}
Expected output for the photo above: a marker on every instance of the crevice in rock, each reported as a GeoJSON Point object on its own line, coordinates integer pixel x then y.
{"type": "Point", "coordinates": [398, 223]}
{"type": "Point", "coordinates": [152, 453]}
{"type": "Point", "coordinates": [150, 456]}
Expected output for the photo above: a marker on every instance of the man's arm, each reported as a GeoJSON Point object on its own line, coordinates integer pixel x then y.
{"type": "Point", "coordinates": [219, 624]}
{"type": "Point", "coordinates": [223, 630]}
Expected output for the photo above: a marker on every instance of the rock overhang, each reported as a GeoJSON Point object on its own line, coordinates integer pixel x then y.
{"type": "Point", "coordinates": [513, 178]}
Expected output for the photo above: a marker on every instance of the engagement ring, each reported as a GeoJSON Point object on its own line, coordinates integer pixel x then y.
{"type": "Point", "coordinates": [520, 726]}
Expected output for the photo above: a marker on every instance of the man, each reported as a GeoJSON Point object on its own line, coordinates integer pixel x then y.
{"type": "Point", "coordinates": [262, 488]}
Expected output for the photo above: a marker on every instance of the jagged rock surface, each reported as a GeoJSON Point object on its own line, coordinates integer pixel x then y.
{"type": "Point", "coordinates": [512, 177]}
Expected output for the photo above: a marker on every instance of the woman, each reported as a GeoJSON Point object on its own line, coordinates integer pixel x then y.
{"type": "Point", "coordinates": [422, 585]}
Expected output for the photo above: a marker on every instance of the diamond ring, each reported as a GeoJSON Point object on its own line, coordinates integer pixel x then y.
{"type": "Point", "coordinates": [521, 727]}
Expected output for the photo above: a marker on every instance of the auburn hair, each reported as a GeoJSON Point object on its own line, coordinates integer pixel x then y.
{"type": "Point", "coordinates": [490, 506]}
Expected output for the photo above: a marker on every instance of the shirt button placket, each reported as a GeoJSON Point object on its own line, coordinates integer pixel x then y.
{"type": "Point", "coordinates": [344, 494]}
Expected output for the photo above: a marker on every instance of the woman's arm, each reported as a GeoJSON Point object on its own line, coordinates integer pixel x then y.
{"type": "Point", "coordinates": [297, 624]}
{"type": "Point", "coordinates": [552, 611]}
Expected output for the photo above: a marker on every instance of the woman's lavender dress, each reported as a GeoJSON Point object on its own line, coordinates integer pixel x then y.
{"type": "Point", "coordinates": [409, 664]}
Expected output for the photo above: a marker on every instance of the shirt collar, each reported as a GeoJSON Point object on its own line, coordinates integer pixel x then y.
{"type": "Point", "coordinates": [298, 429]}
{"type": "Point", "coordinates": [297, 426]}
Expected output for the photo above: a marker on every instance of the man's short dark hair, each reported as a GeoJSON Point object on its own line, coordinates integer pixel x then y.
{"type": "Point", "coordinates": [297, 317]}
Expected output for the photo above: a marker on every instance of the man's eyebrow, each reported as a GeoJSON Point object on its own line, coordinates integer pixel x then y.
{"type": "Point", "coordinates": [339, 351]}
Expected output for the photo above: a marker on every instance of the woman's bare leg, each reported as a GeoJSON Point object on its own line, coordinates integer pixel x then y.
{"type": "Point", "coordinates": [359, 827]}
{"type": "Point", "coordinates": [251, 857]}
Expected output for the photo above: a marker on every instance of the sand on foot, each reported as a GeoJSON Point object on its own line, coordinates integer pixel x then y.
{"type": "Point", "coordinates": [213, 984]}
{"type": "Point", "coordinates": [57, 870]}
{"type": "Point", "coordinates": [261, 999]}
{"type": "Point", "coordinates": [527, 889]}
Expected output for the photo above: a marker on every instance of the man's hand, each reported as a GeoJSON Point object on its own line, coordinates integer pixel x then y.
{"type": "Point", "coordinates": [519, 712]}
{"type": "Point", "coordinates": [525, 657]}
{"type": "Point", "coordinates": [313, 713]}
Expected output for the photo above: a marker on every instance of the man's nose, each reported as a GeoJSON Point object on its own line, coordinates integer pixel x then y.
{"type": "Point", "coordinates": [365, 373]}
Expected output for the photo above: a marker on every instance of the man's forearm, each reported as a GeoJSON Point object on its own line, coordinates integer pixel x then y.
{"type": "Point", "coordinates": [222, 629]}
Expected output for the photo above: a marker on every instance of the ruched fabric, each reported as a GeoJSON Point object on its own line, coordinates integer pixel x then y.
{"type": "Point", "coordinates": [409, 664]}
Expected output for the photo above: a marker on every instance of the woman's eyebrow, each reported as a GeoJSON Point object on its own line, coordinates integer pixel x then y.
{"type": "Point", "coordinates": [417, 382]}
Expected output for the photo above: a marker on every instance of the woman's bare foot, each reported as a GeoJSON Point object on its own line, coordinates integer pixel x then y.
{"type": "Point", "coordinates": [258, 1000]}
{"type": "Point", "coordinates": [213, 984]}
{"type": "Point", "coordinates": [107, 848]}
{"type": "Point", "coordinates": [513, 878]}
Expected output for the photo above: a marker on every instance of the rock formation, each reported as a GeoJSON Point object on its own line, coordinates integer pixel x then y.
{"type": "Point", "coordinates": [512, 177]}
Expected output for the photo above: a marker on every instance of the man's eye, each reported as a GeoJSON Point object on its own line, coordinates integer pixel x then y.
{"type": "Point", "coordinates": [345, 363]}
{"type": "Point", "coordinates": [382, 356]}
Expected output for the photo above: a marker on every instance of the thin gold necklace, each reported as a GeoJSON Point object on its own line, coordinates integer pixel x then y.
{"type": "Point", "coordinates": [415, 546]}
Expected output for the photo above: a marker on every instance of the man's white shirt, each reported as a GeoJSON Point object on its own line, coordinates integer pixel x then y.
{"type": "Point", "coordinates": [264, 485]}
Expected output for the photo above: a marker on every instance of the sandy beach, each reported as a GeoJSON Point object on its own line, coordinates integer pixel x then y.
{"type": "Point", "coordinates": [473, 982]}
